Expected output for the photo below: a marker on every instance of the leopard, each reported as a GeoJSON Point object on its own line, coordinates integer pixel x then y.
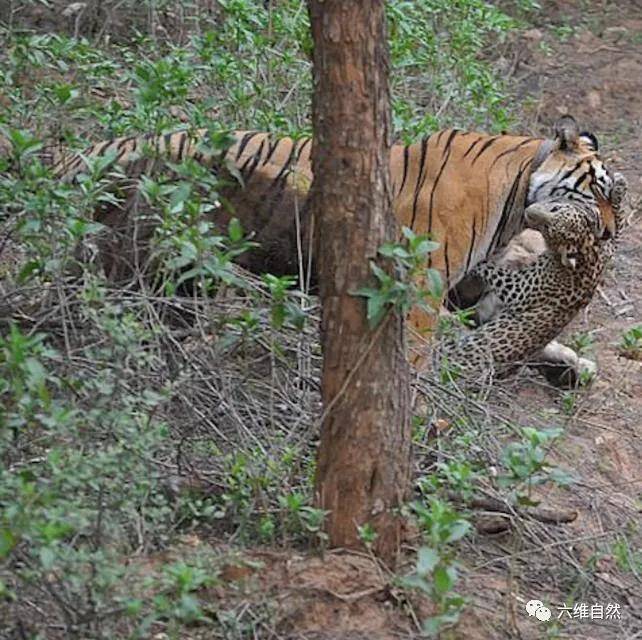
{"type": "Point", "coordinates": [526, 308]}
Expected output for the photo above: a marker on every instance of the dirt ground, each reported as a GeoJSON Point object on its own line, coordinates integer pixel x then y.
{"type": "Point", "coordinates": [593, 72]}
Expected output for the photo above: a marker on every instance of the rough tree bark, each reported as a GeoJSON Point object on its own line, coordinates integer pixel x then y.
{"type": "Point", "coordinates": [364, 455]}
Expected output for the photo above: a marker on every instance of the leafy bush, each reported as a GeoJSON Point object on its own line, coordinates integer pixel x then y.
{"type": "Point", "coordinates": [79, 482]}
{"type": "Point", "coordinates": [631, 343]}
{"type": "Point", "coordinates": [249, 63]}
{"type": "Point", "coordinates": [98, 460]}
{"type": "Point", "coordinates": [436, 571]}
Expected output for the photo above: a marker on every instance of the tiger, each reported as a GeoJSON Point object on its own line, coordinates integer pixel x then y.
{"type": "Point", "coordinates": [466, 190]}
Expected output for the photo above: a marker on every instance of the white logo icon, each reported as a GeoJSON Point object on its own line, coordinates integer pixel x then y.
{"type": "Point", "coordinates": [536, 608]}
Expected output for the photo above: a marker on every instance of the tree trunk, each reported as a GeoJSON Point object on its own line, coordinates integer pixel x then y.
{"type": "Point", "coordinates": [364, 456]}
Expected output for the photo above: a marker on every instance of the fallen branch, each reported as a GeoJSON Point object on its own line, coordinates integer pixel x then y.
{"type": "Point", "coordinates": [547, 515]}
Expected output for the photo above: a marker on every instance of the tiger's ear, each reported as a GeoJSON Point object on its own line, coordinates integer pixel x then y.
{"type": "Point", "coordinates": [589, 140]}
{"type": "Point", "coordinates": [567, 133]}
{"type": "Point", "coordinates": [537, 216]}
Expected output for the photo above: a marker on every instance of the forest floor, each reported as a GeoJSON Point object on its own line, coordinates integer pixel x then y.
{"type": "Point", "coordinates": [593, 71]}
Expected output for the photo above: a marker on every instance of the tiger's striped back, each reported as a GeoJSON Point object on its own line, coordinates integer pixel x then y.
{"type": "Point", "coordinates": [128, 151]}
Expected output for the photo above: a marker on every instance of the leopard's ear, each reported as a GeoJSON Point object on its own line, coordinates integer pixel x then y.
{"type": "Point", "coordinates": [538, 216]}
{"type": "Point", "coordinates": [567, 133]}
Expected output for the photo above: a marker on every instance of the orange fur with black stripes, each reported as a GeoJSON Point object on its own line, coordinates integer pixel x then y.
{"type": "Point", "coordinates": [467, 190]}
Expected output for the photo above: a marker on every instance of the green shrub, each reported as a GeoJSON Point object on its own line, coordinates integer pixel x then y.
{"type": "Point", "coordinates": [250, 63]}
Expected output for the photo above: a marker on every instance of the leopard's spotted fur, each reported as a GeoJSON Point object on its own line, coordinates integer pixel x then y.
{"type": "Point", "coordinates": [537, 301]}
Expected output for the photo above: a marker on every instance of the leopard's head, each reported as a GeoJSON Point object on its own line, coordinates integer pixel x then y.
{"type": "Point", "coordinates": [571, 230]}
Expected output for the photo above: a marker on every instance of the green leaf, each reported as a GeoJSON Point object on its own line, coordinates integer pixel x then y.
{"type": "Point", "coordinates": [387, 250]}
{"type": "Point", "coordinates": [190, 274]}
{"type": "Point", "coordinates": [416, 582]}
{"type": "Point", "coordinates": [367, 292]}
{"type": "Point", "coordinates": [442, 580]}
{"type": "Point", "coordinates": [179, 196]}
{"type": "Point", "coordinates": [375, 310]}
{"type": "Point", "coordinates": [23, 142]}
{"type": "Point", "coordinates": [295, 315]}
{"type": "Point", "coordinates": [380, 274]}
{"type": "Point", "coordinates": [235, 230]}
{"type": "Point", "coordinates": [133, 607]}
{"type": "Point", "coordinates": [151, 398]}
{"type": "Point", "coordinates": [5, 592]}
{"type": "Point", "coordinates": [7, 542]}
{"type": "Point", "coordinates": [435, 283]}
{"type": "Point", "coordinates": [426, 246]}
{"type": "Point", "coordinates": [427, 560]}
{"type": "Point", "coordinates": [432, 626]}
{"type": "Point", "coordinates": [47, 558]}
{"type": "Point", "coordinates": [36, 371]}
{"type": "Point", "coordinates": [390, 250]}
{"type": "Point", "coordinates": [189, 608]}
{"type": "Point", "coordinates": [31, 267]}
{"type": "Point", "coordinates": [561, 477]}
{"type": "Point", "coordinates": [457, 531]}
{"type": "Point", "coordinates": [52, 531]}
{"type": "Point", "coordinates": [278, 315]}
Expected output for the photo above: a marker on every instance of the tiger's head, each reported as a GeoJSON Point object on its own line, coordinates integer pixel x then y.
{"type": "Point", "coordinates": [569, 167]}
